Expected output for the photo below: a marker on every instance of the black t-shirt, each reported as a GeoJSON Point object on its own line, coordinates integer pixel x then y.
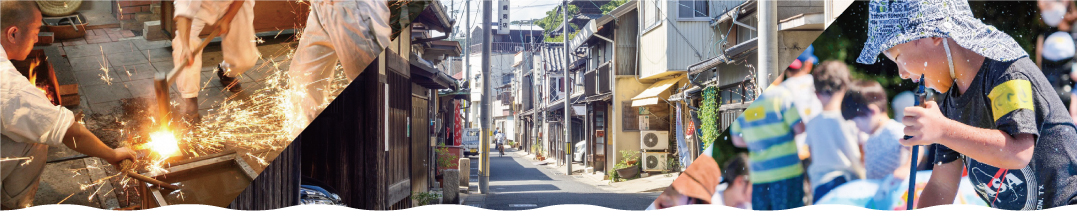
{"type": "Point", "coordinates": [1016, 98]}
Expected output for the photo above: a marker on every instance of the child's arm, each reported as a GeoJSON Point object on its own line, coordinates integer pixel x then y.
{"type": "Point", "coordinates": [942, 187]}
{"type": "Point", "coordinates": [991, 146]}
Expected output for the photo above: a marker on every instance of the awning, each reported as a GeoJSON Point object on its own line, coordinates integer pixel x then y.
{"type": "Point", "coordinates": [808, 22]}
{"type": "Point", "coordinates": [650, 95]}
{"type": "Point", "coordinates": [599, 97]}
{"type": "Point", "coordinates": [579, 110]}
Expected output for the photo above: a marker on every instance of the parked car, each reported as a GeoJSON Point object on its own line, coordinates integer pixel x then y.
{"type": "Point", "coordinates": [470, 141]}
{"type": "Point", "coordinates": [315, 192]}
{"type": "Point", "coordinates": [579, 151]}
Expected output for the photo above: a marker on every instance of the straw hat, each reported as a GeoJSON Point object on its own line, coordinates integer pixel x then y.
{"type": "Point", "coordinates": [58, 8]}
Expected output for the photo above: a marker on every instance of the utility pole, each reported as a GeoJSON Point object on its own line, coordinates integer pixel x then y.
{"type": "Point", "coordinates": [768, 44]}
{"type": "Point", "coordinates": [467, 62]}
{"type": "Point", "coordinates": [568, 94]}
{"type": "Point", "coordinates": [484, 154]}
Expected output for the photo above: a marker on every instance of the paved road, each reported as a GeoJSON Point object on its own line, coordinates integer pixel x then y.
{"type": "Point", "coordinates": [516, 183]}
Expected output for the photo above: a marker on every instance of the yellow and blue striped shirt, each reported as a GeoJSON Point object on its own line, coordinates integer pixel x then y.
{"type": "Point", "coordinates": [767, 127]}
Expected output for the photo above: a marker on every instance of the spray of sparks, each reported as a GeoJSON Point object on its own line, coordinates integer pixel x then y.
{"type": "Point", "coordinates": [27, 161]}
{"type": "Point", "coordinates": [260, 120]}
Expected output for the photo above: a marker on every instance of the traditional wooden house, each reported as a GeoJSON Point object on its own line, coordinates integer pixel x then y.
{"type": "Point", "coordinates": [611, 53]}
{"type": "Point", "coordinates": [374, 144]}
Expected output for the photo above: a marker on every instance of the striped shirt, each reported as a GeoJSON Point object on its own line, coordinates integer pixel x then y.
{"type": "Point", "coordinates": [767, 127]}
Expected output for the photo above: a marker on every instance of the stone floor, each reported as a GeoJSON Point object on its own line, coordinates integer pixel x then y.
{"type": "Point", "coordinates": [121, 69]}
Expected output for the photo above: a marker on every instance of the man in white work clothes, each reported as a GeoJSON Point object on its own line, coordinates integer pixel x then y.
{"type": "Point", "coordinates": [235, 19]}
{"type": "Point", "coordinates": [29, 122]}
{"type": "Point", "coordinates": [351, 31]}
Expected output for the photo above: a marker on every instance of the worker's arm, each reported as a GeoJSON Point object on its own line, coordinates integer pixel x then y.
{"type": "Point", "coordinates": [225, 23]}
{"type": "Point", "coordinates": [994, 147]}
{"type": "Point", "coordinates": [183, 34]}
{"type": "Point", "coordinates": [80, 139]}
{"type": "Point", "coordinates": [942, 187]}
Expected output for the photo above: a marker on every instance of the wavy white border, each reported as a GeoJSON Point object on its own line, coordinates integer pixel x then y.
{"type": "Point", "coordinates": [575, 211]}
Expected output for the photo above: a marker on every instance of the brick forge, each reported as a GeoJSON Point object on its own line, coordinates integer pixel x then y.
{"type": "Point", "coordinates": [134, 14]}
{"type": "Point", "coordinates": [129, 10]}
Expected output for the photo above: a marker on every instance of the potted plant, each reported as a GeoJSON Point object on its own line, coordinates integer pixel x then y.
{"type": "Point", "coordinates": [446, 159]}
{"type": "Point", "coordinates": [538, 151]}
{"type": "Point", "coordinates": [425, 198]}
{"type": "Point", "coordinates": [628, 167]}
{"type": "Point", "coordinates": [672, 165]}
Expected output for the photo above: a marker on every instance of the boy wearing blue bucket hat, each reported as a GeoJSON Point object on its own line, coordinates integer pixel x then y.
{"type": "Point", "coordinates": [998, 116]}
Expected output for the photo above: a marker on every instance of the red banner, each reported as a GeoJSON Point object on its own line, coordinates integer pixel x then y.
{"type": "Point", "coordinates": [458, 124]}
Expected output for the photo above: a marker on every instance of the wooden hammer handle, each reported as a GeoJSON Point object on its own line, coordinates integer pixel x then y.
{"type": "Point", "coordinates": [161, 82]}
{"type": "Point", "coordinates": [183, 63]}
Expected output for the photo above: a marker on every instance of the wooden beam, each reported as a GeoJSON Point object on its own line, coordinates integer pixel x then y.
{"type": "Point", "coordinates": [242, 163]}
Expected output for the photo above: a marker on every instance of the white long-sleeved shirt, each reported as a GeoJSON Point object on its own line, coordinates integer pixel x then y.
{"type": "Point", "coordinates": [26, 115]}
{"type": "Point", "coordinates": [207, 11]}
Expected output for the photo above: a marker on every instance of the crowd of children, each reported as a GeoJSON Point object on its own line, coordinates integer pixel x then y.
{"type": "Point", "coordinates": [999, 117]}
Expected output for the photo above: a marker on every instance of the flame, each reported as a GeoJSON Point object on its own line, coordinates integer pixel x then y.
{"type": "Point", "coordinates": [164, 143]}
{"type": "Point", "coordinates": [33, 78]}
{"type": "Point", "coordinates": [33, 75]}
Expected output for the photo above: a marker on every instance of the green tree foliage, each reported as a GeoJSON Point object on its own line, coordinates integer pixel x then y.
{"type": "Point", "coordinates": [554, 17]}
{"type": "Point", "coordinates": [606, 8]}
{"type": "Point", "coordinates": [402, 13]}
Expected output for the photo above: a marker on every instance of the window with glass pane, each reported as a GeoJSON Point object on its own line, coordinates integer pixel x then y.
{"type": "Point", "coordinates": [745, 34]}
{"type": "Point", "coordinates": [692, 9]}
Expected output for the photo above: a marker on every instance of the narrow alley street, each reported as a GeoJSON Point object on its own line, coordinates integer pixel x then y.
{"type": "Point", "coordinates": [518, 182]}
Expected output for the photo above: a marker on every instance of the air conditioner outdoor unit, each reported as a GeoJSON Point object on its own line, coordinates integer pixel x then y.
{"type": "Point", "coordinates": [654, 161]}
{"type": "Point", "coordinates": [654, 140]}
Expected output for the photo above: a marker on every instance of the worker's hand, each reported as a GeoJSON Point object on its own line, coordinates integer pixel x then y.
{"type": "Point", "coordinates": [186, 53]}
{"type": "Point", "coordinates": [120, 154]}
{"type": "Point", "coordinates": [224, 25]}
{"type": "Point", "coordinates": [925, 124]}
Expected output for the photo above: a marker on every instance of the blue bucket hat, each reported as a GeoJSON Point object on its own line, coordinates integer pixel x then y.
{"type": "Point", "coordinates": [894, 22]}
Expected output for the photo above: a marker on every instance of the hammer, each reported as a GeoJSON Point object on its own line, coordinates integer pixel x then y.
{"type": "Point", "coordinates": [162, 80]}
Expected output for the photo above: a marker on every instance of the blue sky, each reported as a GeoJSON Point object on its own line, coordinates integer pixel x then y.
{"type": "Point", "coordinates": [519, 9]}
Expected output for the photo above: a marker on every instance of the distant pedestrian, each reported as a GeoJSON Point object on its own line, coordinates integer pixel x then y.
{"type": "Point", "coordinates": [494, 139]}
{"type": "Point", "coordinates": [500, 139]}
